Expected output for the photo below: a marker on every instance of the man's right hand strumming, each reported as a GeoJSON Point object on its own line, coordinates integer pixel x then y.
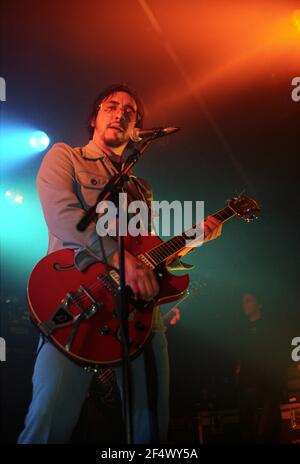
{"type": "Point", "coordinates": [140, 279]}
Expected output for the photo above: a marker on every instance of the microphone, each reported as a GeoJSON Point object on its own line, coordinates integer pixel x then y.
{"type": "Point", "coordinates": [138, 134]}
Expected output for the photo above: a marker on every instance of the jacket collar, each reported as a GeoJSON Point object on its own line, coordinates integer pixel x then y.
{"type": "Point", "coordinates": [91, 151]}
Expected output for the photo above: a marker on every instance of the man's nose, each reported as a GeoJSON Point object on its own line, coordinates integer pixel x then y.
{"type": "Point", "coordinates": [120, 113]}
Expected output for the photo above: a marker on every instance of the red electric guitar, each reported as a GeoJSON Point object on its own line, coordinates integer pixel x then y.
{"type": "Point", "coordinates": [78, 311]}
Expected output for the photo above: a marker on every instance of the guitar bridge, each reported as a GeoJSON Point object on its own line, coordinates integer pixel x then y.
{"type": "Point", "coordinates": [62, 316]}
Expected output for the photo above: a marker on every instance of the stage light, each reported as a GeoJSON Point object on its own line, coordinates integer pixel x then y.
{"type": "Point", "coordinates": [18, 199]}
{"type": "Point", "coordinates": [39, 140]}
{"type": "Point", "coordinates": [296, 19]}
{"type": "Point", "coordinates": [19, 144]}
{"type": "Point", "coordinates": [23, 233]}
{"type": "Point", "coordinates": [14, 197]}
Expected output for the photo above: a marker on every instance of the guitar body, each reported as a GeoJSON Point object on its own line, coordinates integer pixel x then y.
{"type": "Point", "coordinates": [58, 295]}
{"type": "Point", "coordinates": [79, 311]}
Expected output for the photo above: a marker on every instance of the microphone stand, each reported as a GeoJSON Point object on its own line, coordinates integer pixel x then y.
{"type": "Point", "coordinates": [112, 188]}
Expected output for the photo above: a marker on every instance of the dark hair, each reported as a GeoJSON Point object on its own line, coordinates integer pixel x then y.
{"type": "Point", "coordinates": [110, 91]}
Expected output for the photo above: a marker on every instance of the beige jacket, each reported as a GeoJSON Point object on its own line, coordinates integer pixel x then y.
{"type": "Point", "coordinates": [68, 182]}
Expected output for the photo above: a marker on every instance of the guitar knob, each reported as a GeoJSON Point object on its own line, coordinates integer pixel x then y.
{"type": "Point", "coordinates": [104, 330]}
{"type": "Point", "coordinates": [140, 326]}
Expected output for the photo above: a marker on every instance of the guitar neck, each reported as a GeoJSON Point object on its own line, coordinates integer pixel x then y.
{"type": "Point", "coordinates": [175, 245]}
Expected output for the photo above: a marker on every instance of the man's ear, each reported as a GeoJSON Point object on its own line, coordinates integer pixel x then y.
{"type": "Point", "coordinates": [93, 122]}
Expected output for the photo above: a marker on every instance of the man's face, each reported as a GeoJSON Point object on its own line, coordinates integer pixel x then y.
{"type": "Point", "coordinates": [115, 119]}
{"type": "Point", "coordinates": [250, 305]}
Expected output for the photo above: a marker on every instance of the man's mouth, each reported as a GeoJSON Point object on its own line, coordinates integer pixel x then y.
{"type": "Point", "coordinates": [119, 128]}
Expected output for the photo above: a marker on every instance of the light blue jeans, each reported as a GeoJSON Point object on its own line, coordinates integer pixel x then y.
{"type": "Point", "coordinates": [60, 388]}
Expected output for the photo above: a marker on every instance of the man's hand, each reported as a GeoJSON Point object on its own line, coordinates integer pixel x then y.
{"type": "Point", "coordinates": [212, 228]}
{"type": "Point", "coordinates": [176, 316]}
{"type": "Point", "coordinates": [140, 279]}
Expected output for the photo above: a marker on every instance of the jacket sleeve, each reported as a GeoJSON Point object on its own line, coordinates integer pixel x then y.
{"type": "Point", "coordinates": [56, 185]}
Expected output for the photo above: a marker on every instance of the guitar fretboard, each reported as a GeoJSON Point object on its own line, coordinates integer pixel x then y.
{"type": "Point", "coordinates": [171, 247]}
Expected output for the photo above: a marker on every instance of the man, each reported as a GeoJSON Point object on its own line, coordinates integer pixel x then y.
{"type": "Point", "coordinates": [260, 375]}
{"type": "Point", "coordinates": [68, 182]}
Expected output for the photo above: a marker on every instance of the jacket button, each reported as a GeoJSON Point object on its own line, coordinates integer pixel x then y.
{"type": "Point", "coordinates": [94, 181]}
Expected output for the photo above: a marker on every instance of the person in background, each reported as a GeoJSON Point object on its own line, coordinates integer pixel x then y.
{"type": "Point", "coordinates": [259, 371]}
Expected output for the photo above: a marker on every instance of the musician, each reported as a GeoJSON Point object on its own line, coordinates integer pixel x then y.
{"type": "Point", "coordinates": [68, 182]}
{"type": "Point", "coordinates": [260, 373]}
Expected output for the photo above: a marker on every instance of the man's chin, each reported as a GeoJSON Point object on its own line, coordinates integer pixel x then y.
{"type": "Point", "coordinates": [114, 142]}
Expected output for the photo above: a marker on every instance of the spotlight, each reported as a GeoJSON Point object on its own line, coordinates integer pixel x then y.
{"type": "Point", "coordinates": [296, 19]}
{"type": "Point", "coordinates": [20, 143]}
{"type": "Point", "coordinates": [18, 199]}
{"type": "Point", "coordinates": [39, 140]}
{"type": "Point", "coordinates": [14, 197]}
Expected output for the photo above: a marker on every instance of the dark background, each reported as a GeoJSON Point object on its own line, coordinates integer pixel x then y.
{"type": "Point", "coordinates": [221, 71]}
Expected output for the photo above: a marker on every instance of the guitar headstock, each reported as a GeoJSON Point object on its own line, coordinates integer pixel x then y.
{"type": "Point", "coordinates": [245, 207]}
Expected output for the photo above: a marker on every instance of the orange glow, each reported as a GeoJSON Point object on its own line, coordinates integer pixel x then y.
{"type": "Point", "coordinates": [208, 50]}
{"type": "Point", "coordinates": [296, 19]}
{"type": "Point", "coordinates": [216, 55]}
